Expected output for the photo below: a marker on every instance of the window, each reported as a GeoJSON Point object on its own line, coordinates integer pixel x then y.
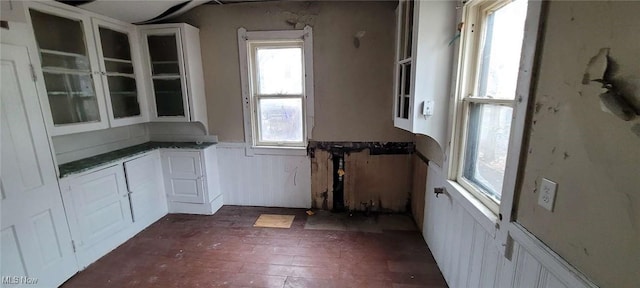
{"type": "Point", "coordinates": [277, 78]}
{"type": "Point", "coordinates": [490, 63]}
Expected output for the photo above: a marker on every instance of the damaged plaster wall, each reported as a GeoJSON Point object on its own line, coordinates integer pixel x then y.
{"type": "Point", "coordinates": [353, 64]}
{"type": "Point", "coordinates": [380, 183]}
{"type": "Point", "coordinates": [593, 155]}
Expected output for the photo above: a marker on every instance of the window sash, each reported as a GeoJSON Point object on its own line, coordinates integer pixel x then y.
{"type": "Point", "coordinates": [477, 190]}
{"type": "Point", "coordinates": [256, 122]}
{"type": "Point", "coordinates": [470, 77]}
{"type": "Point", "coordinates": [305, 38]}
{"type": "Point", "coordinates": [252, 47]}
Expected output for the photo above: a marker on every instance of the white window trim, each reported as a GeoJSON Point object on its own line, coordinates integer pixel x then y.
{"type": "Point", "coordinates": [503, 221]}
{"type": "Point", "coordinates": [244, 36]}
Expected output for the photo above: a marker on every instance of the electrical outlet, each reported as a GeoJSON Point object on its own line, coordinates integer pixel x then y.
{"type": "Point", "coordinates": [427, 108]}
{"type": "Point", "coordinates": [547, 194]}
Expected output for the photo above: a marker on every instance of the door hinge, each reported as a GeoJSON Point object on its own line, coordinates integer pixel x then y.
{"type": "Point", "coordinates": [73, 244]}
{"type": "Point", "coordinates": [33, 73]}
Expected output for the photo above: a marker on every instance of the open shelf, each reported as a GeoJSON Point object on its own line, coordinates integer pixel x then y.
{"type": "Point", "coordinates": [118, 60]}
{"type": "Point", "coordinates": [62, 53]}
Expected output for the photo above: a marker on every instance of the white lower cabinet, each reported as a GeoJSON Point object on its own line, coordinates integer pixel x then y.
{"type": "Point", "coordinates": [107, 206]}
{"type": "Point", "coordinates": [191, 180]}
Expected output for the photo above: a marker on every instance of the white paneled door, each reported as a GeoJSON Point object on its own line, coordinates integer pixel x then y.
{"type": "Point", "coordinates": [36, 243]}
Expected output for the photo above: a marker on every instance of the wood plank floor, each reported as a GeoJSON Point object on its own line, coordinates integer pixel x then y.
{"type": "Point", "coordinates": [225, 250]}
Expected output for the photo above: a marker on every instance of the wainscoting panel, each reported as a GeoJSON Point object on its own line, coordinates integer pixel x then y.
{"type": "Point", "coordinates": [469, 255]}
{"type": "Point", "coordinates": [263, 180]}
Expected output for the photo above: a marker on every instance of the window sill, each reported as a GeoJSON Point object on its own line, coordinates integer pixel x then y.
{"type": "Point", "coordinates": [483, 215]}
{"type": "Point", "coordinates": [276, 150]}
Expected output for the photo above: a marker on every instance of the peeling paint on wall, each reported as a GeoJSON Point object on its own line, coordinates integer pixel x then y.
{"type": "Point", "coordinates": [598, 176]}
{"type": "Point", "coordinates": [301, 17]}
{"type": "Point", "coordinates": [636, 129]}
{"type": "Point", "coordinates": [620, 96]}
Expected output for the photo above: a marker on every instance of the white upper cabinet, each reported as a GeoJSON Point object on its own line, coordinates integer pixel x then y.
{"type": "Point", "coordinates": [121, 72]}
{"type": "Point", "coordinates": [423, 66]}
{"type": "Point", "coordinates": [91, 67]}
{"type": "Point", "coordinates": [174, 69]}
{"type": "Point", "coordinates": [70, 69]}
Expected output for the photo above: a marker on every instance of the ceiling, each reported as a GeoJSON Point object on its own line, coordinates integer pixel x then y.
{"type": "Point", "coordinates": [147, 11]}
{"type": "Point", "coordinates": [138, 11]}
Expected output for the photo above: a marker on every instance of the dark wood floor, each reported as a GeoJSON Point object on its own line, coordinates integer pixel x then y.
{"type": "Point", "coordinates": [225, 250]}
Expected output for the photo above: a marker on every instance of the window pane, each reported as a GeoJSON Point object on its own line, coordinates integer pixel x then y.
{"type": "Point", "coordinates": [409, 37]}
{"type": "Point", "coordinates": [71, 98]}
{"type": "Point", "coordinates": [501, 51]}
{"type": "Point", "coordinates": [168, 97]}
{"type": "Point", "coordinates": [115, 44]}
{"type": "Point", "coordinates": [163, 52]}
{"type": "Point", "coordinates": [487, 144]}
{"type": "Point", "coordinates": [58, 33]}
{"type": "Point", "coordinates": [280, 120]}
{"type": "Point", "coordinates": [118, 67]}
{"type": "Point", "coordinates": [279, 70]}
{"type": "Point", "coordinates": [124, 96]}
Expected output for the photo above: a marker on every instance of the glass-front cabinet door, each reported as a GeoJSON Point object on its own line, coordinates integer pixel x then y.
{"type": "Point", "coordinates": [167, 74]}
{"type": "Point", "coordinates": [119, 72]}
{"type": "Point", "coordinates": [404, 60]}
{"type": "Point", "coordinates": [70, 71]}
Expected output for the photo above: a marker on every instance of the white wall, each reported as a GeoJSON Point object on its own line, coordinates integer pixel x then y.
{"type": "Point", "coordinates": [263, 180]}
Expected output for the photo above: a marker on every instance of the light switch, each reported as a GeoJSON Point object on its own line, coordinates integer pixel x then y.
{"type": "Point", "coordinates": [547, 194]}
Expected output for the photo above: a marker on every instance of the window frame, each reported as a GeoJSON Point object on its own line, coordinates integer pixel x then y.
{"type": "Point", "coordinates": [466, 62]}
{"type": "Point", "coordinates": [476, 15]}
{"type": "Point", "coordinates": [248, 42]}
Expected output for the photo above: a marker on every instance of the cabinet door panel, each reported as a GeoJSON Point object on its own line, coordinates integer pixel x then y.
{"type": "Point", "coordinates": [144, 182]}
{"type": "Point", "coordinates": [101, 205]}
{"type": "Point", "coordinates": [120, 73]}
{"type": "Point", "coordinates": [186, 190]}
{"type": "Point", "coordinates": [183, 164]}
{"type": "Point", "coordinates": [183, 176]}
{"type": "Point", "coordinates": [169, 97]}
{"type": "Point", "coordinates": [68, 59]}
{"type": "Point", "coordinates": [168, 78]}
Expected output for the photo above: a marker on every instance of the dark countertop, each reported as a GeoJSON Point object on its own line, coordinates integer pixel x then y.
{"type": "Point", "coordinates": [101, 159]}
